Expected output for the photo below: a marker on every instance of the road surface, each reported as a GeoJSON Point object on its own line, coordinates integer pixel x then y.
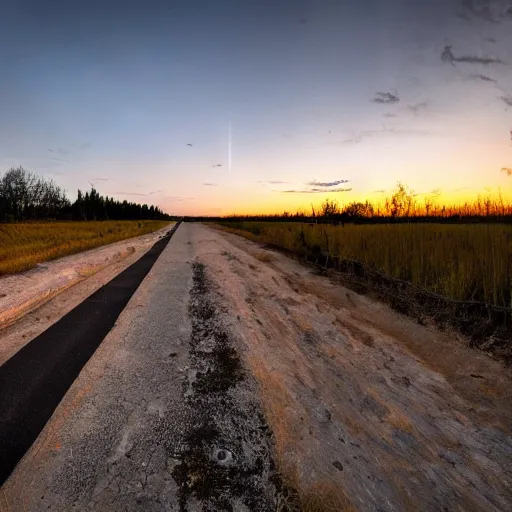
{"type": "Point", "coordinates": [231, 361]}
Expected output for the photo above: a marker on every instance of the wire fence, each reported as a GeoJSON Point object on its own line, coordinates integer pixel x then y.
{"type": "Point", "coordinates": [486, 326]}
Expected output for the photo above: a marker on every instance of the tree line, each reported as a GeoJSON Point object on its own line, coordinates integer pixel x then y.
{"type": "Point", "coordinates": [27, 196]}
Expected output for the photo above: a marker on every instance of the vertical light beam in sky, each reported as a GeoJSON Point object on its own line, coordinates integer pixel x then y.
{"type": "Point", "coordinates": [229, 146]}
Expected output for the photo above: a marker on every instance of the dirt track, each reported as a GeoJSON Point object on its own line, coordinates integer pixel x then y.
{"type": "Point", "coordinates": [362, 402]}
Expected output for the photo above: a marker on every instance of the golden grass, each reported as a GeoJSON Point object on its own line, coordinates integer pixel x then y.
{"type": "Point", "coordinates": [458, 261]}
{"type": "Point", "coordinates": [264, 257]}
{"type": "Point", "coordinates": [399, 421]}
{"type": "Point", "coordinates": [24, 245]}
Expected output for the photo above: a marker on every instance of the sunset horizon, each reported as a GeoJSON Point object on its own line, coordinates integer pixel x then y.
{"type": "Point", "coordinates": [189, 108]}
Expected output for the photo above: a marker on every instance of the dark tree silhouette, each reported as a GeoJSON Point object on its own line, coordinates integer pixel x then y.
{"type": "Point", "coordinates": [26, 196]}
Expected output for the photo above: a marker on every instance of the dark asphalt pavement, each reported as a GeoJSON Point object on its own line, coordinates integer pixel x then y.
{"type": "Point", "coordinates": [35, 379]}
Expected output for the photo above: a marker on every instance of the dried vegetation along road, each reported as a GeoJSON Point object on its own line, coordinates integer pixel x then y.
{"type": "Point", "coordinates": [367, 409]}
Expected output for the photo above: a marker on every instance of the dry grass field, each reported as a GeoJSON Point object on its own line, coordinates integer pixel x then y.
{"type": "Point", "coordinates": [462, 262]}
{"type": "Point", "coordinates": [24, 245]}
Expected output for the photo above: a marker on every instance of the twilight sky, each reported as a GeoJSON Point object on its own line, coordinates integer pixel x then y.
{"type": "Point", "coordinates": [321, 95]}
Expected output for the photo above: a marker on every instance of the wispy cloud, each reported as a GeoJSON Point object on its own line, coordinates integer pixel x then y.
{"type": "Point", "coordinates": [381, 191]}
{"type": "Point", "coordinates": [82, 145]}
{"type": "Point", "coordinates": [448, 56]}
{"type": "Point", "coordinates": [315, 183]}
{"type": "Point", "coordinates": [385, 98]}
{"type": "Point", "coordinates": [488, 10]}
{"type": "Point", "coordinates": [385, 131]}
{"type": "Point", "coordinates": [210, 184]}
{"type": "Point", "coordinates": [507, 100]}
{"type": "Point", "coordinates": [130, 193]}
{"type": "Point", "coordinates": [436, 192]}
{"type": "Point", "coordinates": [58, 159]}
{"type": "Point", "coordinates": [177, 198]}
{"type": "Point", "coordinates": [417, 108]}
{"type": "Point", "coordinates": [484, 78]}
{"type": "Point", "coordinates": [59, 150]}
{"type": "Point", "coordinates": [139, 193]}
{"type": "Point", "coordinates": [273, 182]}
{"type": "Point", "coordinates": [314, 191]}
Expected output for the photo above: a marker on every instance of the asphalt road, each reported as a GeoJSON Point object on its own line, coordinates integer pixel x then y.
{"type": "Point", "coordinates": [35, 379]}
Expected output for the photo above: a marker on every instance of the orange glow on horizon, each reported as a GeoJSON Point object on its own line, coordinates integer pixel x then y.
{"type": "Point", "coordinates": [279, 202]}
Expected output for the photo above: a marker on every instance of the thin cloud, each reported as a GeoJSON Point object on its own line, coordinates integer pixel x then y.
{"type": "Point", "coordinates": [273, 182]}
{"type": "Point", "coordinates": [488, 10]}
{"type": "Point", "coordinates": [436, 192]}
{"type": "Point", "coordinates": [389, 114]}
{"type": "Point", "coordinates": [59, 159]}
{"type": "Point", "coordinates": [418, 107]}
{"type": "Point", "coordinates": [507, 170]}
{"type": "Point", "coordinates": [386, 98]}
{"type": "Point", "coordinates": [507, 100]}
{"type": "Point", "coordinates": [484, 78]}
{"type": "Point", "coordinates": [177, 198]}
{"type": "Point", "coordinates": [385, 131]}
{"type": "Point", "coordinates": [139, 193]}
{"type": "Point", "coordinates": [83, 145]}
{"type": "Point", "coordinates": [210, 184]}
{"type": "Point", "coordinates": [382, 191]}
{"type": "Point", "coordinates": [315, 183]}
{"type": "Point", "coordinates": [448, 56]}
{"type": "Point", "coordinates": [356, 139]}
{"type": "Point", "coordinates": [472, 59]}
{"type": "Point", "coordinates": [130, 193]}
{"type": "Point", "coordinates": [314, 191]}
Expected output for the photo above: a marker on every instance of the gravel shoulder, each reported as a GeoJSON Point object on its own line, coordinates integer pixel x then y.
{"type": "Point", "coordinates": [32, 301]}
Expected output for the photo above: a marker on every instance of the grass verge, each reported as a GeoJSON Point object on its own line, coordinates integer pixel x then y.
{"type": "Point", "coordinates": [24, 245]}
{"type": "Point", "coordinates": [297, 495]}
{"type": "Point", "coordinates": [479, 260]}
{"type": "Point", "coordinates": [469, 262]}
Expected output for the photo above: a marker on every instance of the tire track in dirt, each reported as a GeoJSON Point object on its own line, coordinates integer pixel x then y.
{"type": "Point", "coordinates": [226, 463]}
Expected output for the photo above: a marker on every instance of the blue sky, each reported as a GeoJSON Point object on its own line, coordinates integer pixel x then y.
{"type": "Point", "coordinates": [113, 95]}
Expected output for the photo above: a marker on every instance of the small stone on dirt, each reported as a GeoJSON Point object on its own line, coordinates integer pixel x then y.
{"type": "Point", "coordinates": [338, 465]}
